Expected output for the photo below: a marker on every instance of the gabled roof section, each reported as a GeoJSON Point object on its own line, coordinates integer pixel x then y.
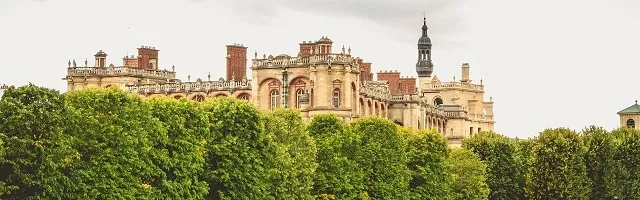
{"type": "Point", "coordinates": [633, 109]}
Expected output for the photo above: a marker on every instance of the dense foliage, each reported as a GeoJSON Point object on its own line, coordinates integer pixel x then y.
{"type": "Point", "coordinates": [558, 170]}
{"type": "Point", "coordinates": [499, 153]}
{"type": "Point", "coordinates": [627, 158]}
{"type": "Point", "coordinates": [338, 175]}
{"type": "Point", "coordinates": [238, 153]}
{"type": "Point", "coordinates": [383, 158]}
{"type": "Point", "coordinates": [295, 162]}
{"type": "Point", "coordinates": [600, 163]}
{"type": "Point", "coordinates": [468, 176]}
{"type": "Point", "coordinates": [111, 144]}
{"type": "Point", "coordinates": [427, 155]}
{"type": "Point", "coordinates": [35, 151]}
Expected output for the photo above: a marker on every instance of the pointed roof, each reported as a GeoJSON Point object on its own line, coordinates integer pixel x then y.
{"type": "Point", "coordinates": [633, 109]}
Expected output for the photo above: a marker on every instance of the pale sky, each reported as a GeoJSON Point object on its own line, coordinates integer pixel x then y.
{"type": "Point", "coordinates": [547, 63]}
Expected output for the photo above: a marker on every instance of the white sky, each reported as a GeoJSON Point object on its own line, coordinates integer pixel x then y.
{"type": "Point", "coordinates": [547, 63]}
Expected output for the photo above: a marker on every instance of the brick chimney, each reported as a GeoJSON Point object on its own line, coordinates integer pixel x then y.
{"type": "Point", "coordinates": [148, 57]}
{"type": "Point", "coordinates": [236, 61]}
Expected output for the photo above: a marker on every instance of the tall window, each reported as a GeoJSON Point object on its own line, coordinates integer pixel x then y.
{"type": "Point", "coordinates": [336, 97]}
{"type": "Point", "coordinates": [631, 123]}
{"type": "Point", "coordinates": [274, 98]}
{"type": "Point", "coordinates": [299, 93]}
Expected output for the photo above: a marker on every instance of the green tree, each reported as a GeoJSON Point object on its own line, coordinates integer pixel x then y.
{"type": "Point", "coordinates": [295, 165]}
{"type": "Point", "coordinates": [557, 167]}
{"type": "Point", "coordinates": [427, 154]}
{"type": "Point", "coordinates": [238, 153]}
{"type": "Point", "coordinates": [627, 159]}
{"type": "Point", "coordinates": [338, 175]}
{"type": "Point", "coordinates": [114, 135]}
{"type": "Point", "coordinates": [35, 149]}
{"type": "Point", "coordinates": [383, 158]}
{"type": "Point", "coordinates": [498, 152]}
{"type": "Point", "coordinates": [182, 155]}
{"type": "Point", "coordinates": [468, 174]}
{"type": "Point", "coordinates": [600, 163]}
{"type": "Point", "coordinates": [523, 154]}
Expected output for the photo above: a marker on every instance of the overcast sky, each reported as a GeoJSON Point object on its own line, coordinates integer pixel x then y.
{"type": "Point", "coordinates": [547, 63]}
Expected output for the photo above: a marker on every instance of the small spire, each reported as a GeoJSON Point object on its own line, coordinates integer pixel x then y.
{"type": "Point", "coordinates": [255, 54]}
{"type": "Point", "coordinates": [173, 68]}
{"type": "Point", "coordinates": [209, 76]}
{"type": "Point", "coordinates": [636, 101]}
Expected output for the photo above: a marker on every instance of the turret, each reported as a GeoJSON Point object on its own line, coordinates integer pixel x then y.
{"type": "Point", "coordinates": [101, 59]}
{"type": "Point", "coordinates": [424, 66]}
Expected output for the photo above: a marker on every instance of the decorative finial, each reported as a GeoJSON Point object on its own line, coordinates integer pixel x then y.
{"type": "Point", "coordinates": [189, 78]}
{"type": "Point", "coordinates": [349, 50]}
{"type": "Point", "coordinates": [209, 76]}
{"type": "Point", "coordinates": [255, 54]}
{"type": "Point", "coordinates": [85, 62]}
{"type": "Point", "coordinates": [490, 99]}
{"type": "Point", "coordinates": [264, 56]}
{"type": "Point", "coordinates": [74, 63]}
{"type": "Point", "coordinates": [173, 68]}
{"type": "Point", "coordinates": [69, 63]}
{"type": "Point", "coordinates": [636, 101]}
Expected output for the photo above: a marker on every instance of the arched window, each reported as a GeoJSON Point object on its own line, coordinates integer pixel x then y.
{"type": "Point", "coordinates": [631, 123]}
{"type": "Point", "coordinates": [299, 93]}
{"type": "Point", "coordinates": [244, 97]}
{"type": "Point", "coordinates": [437, 101]}
{"type": "Point", "coordinates": [274, 98]}
{"type": "Point", "coordinates": [336, 97]}
{"type": "Point", "coordinates": [198, 98]}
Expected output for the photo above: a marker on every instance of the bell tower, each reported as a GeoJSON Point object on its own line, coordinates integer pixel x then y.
{"type": "Point", "coordinates": [424, 66]}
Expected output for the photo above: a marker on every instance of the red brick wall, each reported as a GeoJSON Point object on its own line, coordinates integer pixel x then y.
{"type": "Point", "coordinates": [407, 85]}
{"type": "Point", "coordinates": [365, 71]}
{"type": "Point", "coordinates": [130, 62]}
{"type": "Point", "coordinates": [393, 78]}
{"type": "Point", "coordinates": [144, 55]}
{"type": "Point", "coordinates": [236, 62]}
{"type": "Point", "coordinates": [306, 49]}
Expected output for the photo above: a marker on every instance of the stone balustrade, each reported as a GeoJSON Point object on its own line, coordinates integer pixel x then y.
{"type": "Point", "coordinates": [313, 59]}
{"type": "Point", "coordinates": [377, 90]}
{"type": "Point", "coordinates": [4, 87]}
{"type": "Point", "coordinates": [120, 71]}
{"type": "Point", "coordinates": [457, 85]}
{"type": "Point", "coordinates": [481, 117]}
{"type": "Point", "coordinates": [199, 86]}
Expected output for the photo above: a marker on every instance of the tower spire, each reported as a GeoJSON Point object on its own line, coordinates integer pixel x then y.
{"type": "Point", "coordinates": [424, 66]}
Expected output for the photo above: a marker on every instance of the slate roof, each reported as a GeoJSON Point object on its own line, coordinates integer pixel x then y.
{"type": "Point", "coordinates": [633, 109]}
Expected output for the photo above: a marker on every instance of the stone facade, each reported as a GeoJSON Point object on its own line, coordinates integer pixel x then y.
{"type": "Point", "coordinates": [316, 81]}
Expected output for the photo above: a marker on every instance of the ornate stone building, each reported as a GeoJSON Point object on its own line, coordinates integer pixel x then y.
{"type": "Point", "coordinates": [317, 81]}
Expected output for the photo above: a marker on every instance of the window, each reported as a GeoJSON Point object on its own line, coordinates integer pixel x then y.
{"type": "Point", "coordinates": [437, 101]}
{"type": "Point", "coordinates": [479, 130]}
{"type": "Point", "coordinates": [198, 98]}
{"type": "Point", "coordinates": [244, 97]}
{"type": "Point", "coordinates": [470, 131]}
{"type": "Point", "coordinates": [631, 123]}
{"type": "Point", "coordinates": [274, 99]}
{"type": "Point", "coordinates": [299, 93]}
{"type": "Point", "coordinates": [336, 98]}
